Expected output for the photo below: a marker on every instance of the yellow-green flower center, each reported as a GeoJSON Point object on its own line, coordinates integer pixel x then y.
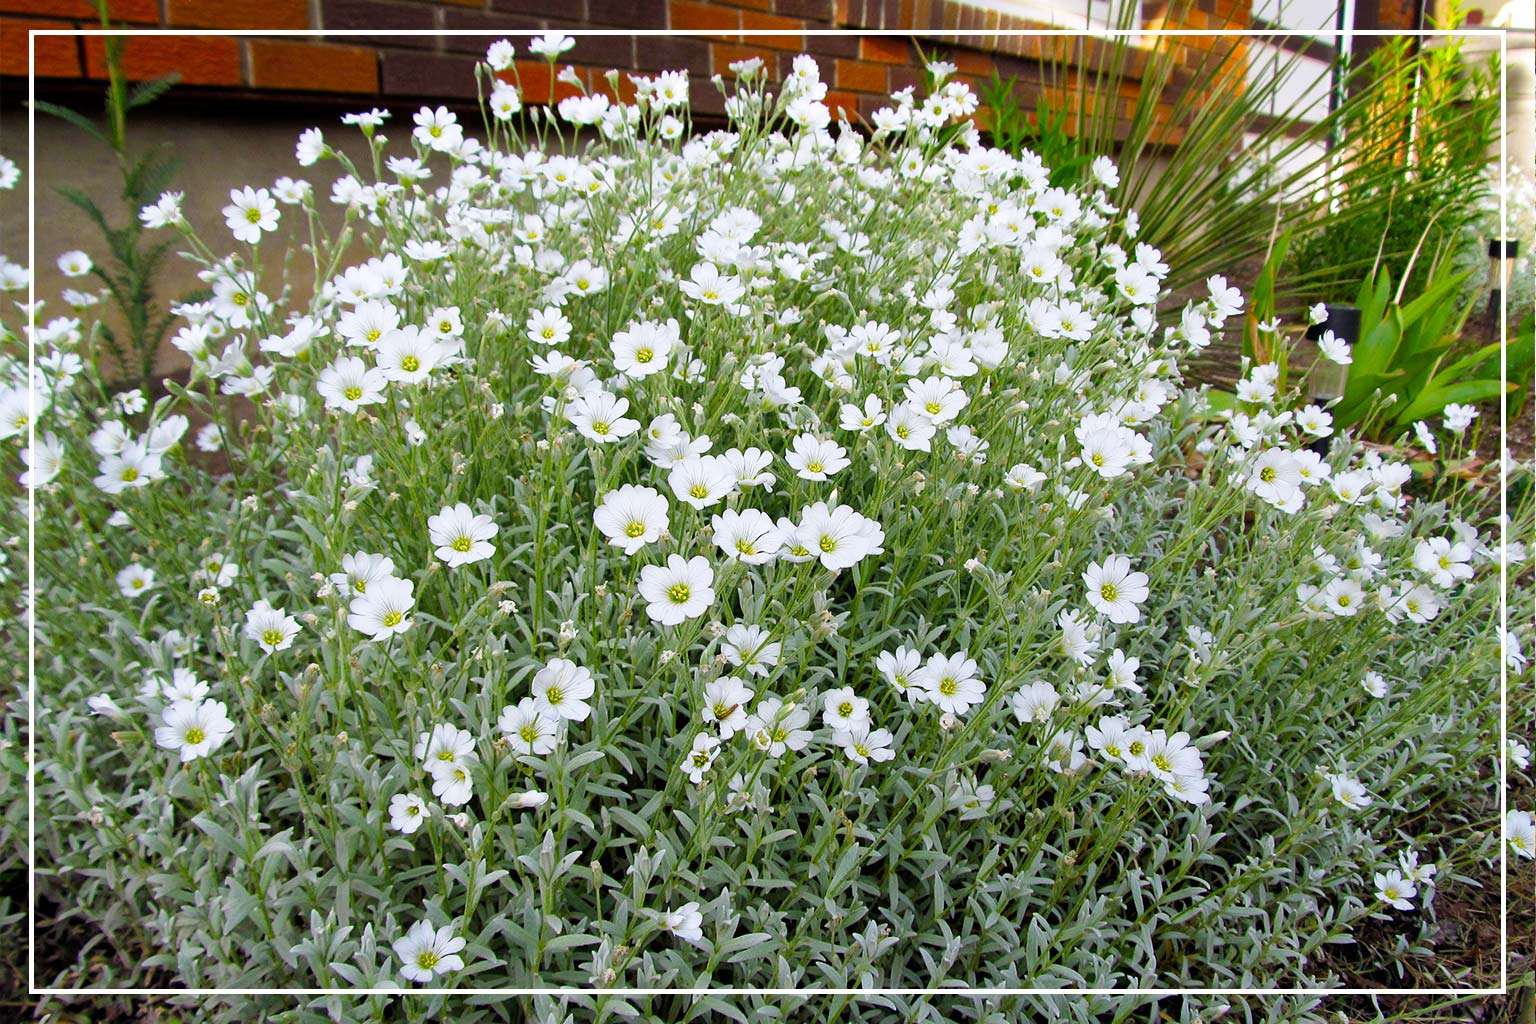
{"type": "Point", "coordinates": [353, 393]}
{"type": "Point", "coordinates": [462, 544]}
{"type": "Point", "coordinates": [1108, 591]}
{"type": "Point", "coordinates": [392, 619]}
{"type": "Point", "coordinates": [634, 529]}
{"type": "Point", "coordinates": [410, 364]}
{"type": "Point", "coordinates": [272, 637]}
{"type": "Point", "coordinates": [196, 735]}
{"type": "Point", "coordinates": [678, 593]}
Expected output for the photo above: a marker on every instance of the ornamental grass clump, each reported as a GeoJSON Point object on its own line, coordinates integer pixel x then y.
{"type": "Point", "coordinates": [771, 557]}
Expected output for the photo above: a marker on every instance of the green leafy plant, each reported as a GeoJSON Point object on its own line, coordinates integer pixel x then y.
{"type": "Point", "coordinates": [130, 277]}
{"type": "Point", "coordinates": [1407, 184]}
{"type": "Point", "coordinates": [1207, 201]}
{"type": "Point", "coordinates": [1408, 364]}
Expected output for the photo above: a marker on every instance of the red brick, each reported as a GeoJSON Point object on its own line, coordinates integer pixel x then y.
{"type": "Point", "coordinates": [57, 56]}
{"type": "Point", "coordinates": [200, 60]}
{"type": "Point", "coordinates": [140, 11]}
{"type": "Point", "coordinates": [273, 14]}
{"type": "Point", "coordinates": [684, 14]}
{"type": "Point", "coordinates": [885, 49]}
{"type": "Point", "coordinates": [859, 77]}
{"type": "Point", "coordinates": [313, 67]}
{"type": "Point", "coordinates": [628, 13]}
{"type": "Point", "coordinates": [846, 102]}
{"type": "Point", "coordinates": [752, 22]}
{"type": "Point", "coordinates": [540, 84]}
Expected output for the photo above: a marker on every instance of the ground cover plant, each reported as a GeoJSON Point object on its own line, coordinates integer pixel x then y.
{"type": "Point", "coordinates": [772, 557]}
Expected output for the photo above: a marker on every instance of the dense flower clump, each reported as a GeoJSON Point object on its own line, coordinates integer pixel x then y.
{"type": "Point", "coordinates": [773, 557]}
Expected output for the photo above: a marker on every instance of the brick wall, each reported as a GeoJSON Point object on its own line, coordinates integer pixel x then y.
{"type": "Point", "coordinates": [860, 69]}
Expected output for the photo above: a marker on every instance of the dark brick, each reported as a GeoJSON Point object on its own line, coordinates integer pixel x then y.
{"type": "Point", "coordinates": [671, 53]}
{"type": "Point", "coordinates": [704, 98]}
{"type": "Point", "coordinates": [520, 6]}
{"type": "Point", "coordinates": [439, 76]}
{"type": "Point", "coordinates": [616, 51]}
{"type": "Point", "coordinates": [628, 13]}
{"type": "Point", "coordinates": [480, 21]}
{"type": "Point", "coordinates": [841, 45]}
{"type": "Point", "coordinates": [381, 17]}
{"type": "Point", "coordinates": [819, 9]}
{"type": "Point", "coordinates": [903, 77]}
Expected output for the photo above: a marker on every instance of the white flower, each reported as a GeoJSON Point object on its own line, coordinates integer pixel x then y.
{"type": "Point", "coordinates": [1348, 791]}
{"type": "Point", "coordinates": [701, 480]}
{"type": "Point", "coordinates": [561, 689]}
{"type": "Point", "coordinates": [707, 285]}
{"type": "Point", "coordinates": [701, 757]}
{"type": "Point", "coordinates": [43, 461]}
{"type": "Point", "coordinates": [426, 952]}
{"type": "Point", "coordinates": [839, 537]}
{"type": "Point", "coordinates": [901, 669]}
{"type": "Point", "coordinates": [1034, 702]}
{"type": "Point", "coordinates": [776, 727]}
{"type": "Point", "coordinates": [1114, 590]}
{"type": "Point", "coordinates": [815, 458]}
{"type": "Point", "coordinates": [269, 627]}
{"type": "Point", "coordinates": [1395, 890]}
{"type": "Point", "coordinates": [1459, 417]}
{"type": "Point", "coordinates": [446, 743]}
{"type": "Point", "coordinates": [725, 704]}
{"type": "Point", "coordinates": [1335, 349]}
{"type": "Point", "coordinates": [748, 535]}
{"type": "Point", "coordinates": [842, 708]}
{"type": "Point", "coordinates": [349, 384]}
{"type": "Point", "coordinates": [751, 648]}
{"type": "Point", "coordinates": [685, 922]}
{"type": "Point", "coordinates": [600, 417]}
{"type": "Point", "coordinates": [499, 54]}
{"type": "Point", "coordinates": [406, 812]}
{"type": "Point", "coordinates": [193, 728]}
{"type": "Point", "coordinates": [1444, 562]}
{"type": "Point", "coordinates": [939, 398]}
{"type": "Point", "coordinates": [382, 611]}
{"type": "Point", "coordinates": [910, 428]}
{"type": "Point", "coordinates": [643, 348]}
{"type": "Point", "coordinates": [530, 731]}
{"type": "Point", "coordinates": [550, 45]}
{"type": "Point", "coordinates": [310, 147]}
{"type": "Point", "coordinates": [74, 263]}
{"type": "Point", "coordinates": [461, 536]}
{"type": "Point", "coordinates": [952, 682]}
{"type": "Point", "coordinates": [408, 355]}
{"type": "Point", "coordinates": [548, 326]}
{"type": "Point", "coordinates": [1521, 831]}
{"type": "Point", "coordinates": [250, 212]}
{"type": "Point", "coordinates": [438, 129]}
{"type": "Point", "coordinates": [682, 589]}
{"type": "Point", "coordinates": [863, 744]}
{"type": "Point", "coordinates": [1374, 684]}
{"type": "Point", "coordinates": [134, 580]}
{"type": "Point", "coordinates": [853, 418]}
{"type": "Point", "coordinates": [631, 517]}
